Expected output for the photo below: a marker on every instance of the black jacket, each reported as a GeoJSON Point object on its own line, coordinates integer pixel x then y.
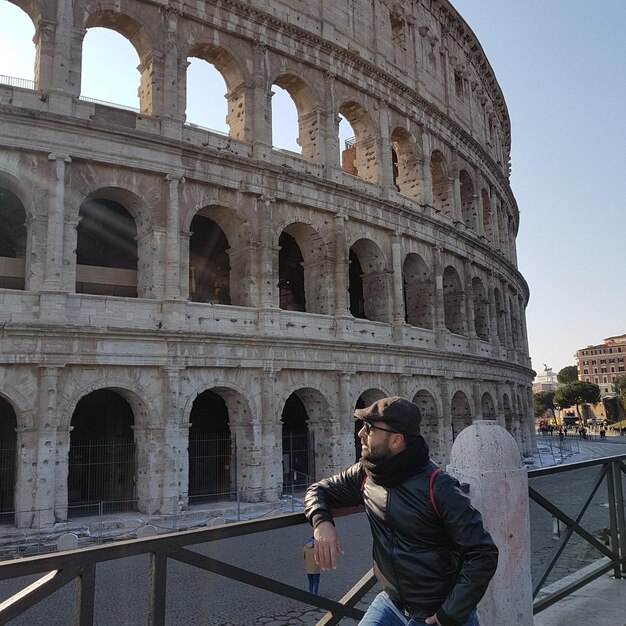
{"type": "Point", "coordinates": [426, 563]}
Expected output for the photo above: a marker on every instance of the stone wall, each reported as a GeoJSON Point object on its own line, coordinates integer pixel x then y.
{"type": "Point", "coordinates": [441, 313]}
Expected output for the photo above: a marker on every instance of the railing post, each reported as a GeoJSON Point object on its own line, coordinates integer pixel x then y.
{"type": "Point", "coordinates": [612, 496]}
{"type": "Point", "coordinates": [621, 521]}
{"type": "Point", "coordinates": [486, 456]}
{"type": "Point", "coordinates": [157, 590]}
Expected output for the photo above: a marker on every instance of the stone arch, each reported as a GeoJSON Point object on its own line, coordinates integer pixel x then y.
{"type": "Point", "coordinates": [306, 102]}
{"type": "Point", "coordinates": [368, 282]}
{"type": "Point", "coordinates": [210, 451]}
{"type": "Point", "coordinates": [461, 413]}
{"type": "Point", "coordinates": [468, 201]}
{"type": "Point", "coordinates": [406, 176]}
{"type": "Point", "coordinates": [487, 215]}
{"type": "Point", "coordinates": [441, 192]}
{"type": "Point", "coordinates": [419, 292]}
{"type": "Point", "coordinates": [231, 69]}
{"type": "Point", "coordinates": [453, 301]}
{"type": "Point", "coordinates": [312, 267]}
{"type": "Point", "coordinates": [106, 245]}
{"type": "Point", "coordinates": [360, 159]}
{"type": "Point", "coordinates": [130, 26]}
{"type": "Point", "coordinates": [8, 460]}
{"type": "Point", "coordinates": [429, 427]}
{"type": "Point", "coordinates": [209, 263]}
{"type": "Point", "coordinates": [13, 239]}
{"type": "Point", "coordinates": [481, 309]}
{"type": "Point", "coordinates": [102, 470]}
{"type": "Point", "coordinates": [487, 407]}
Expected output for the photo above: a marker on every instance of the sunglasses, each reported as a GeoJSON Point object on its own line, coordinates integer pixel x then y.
{"type": "Point", "coordinates": [370, 427]}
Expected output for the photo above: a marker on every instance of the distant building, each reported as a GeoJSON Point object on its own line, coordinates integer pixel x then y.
{"type": "Point", "coordinates": [603, 364]}
{"type": "Point", "coordinates": [547, 381]}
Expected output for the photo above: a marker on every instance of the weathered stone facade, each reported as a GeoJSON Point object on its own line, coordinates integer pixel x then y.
{"type": "Point", "coordinates": [434, 312]}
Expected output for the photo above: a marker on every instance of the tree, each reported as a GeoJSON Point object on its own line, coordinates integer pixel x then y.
{"type": "Point", "coordinates": [619, 387]}
{"type": "Point", "coordinates": [577, 393]}
{"type": "Point", "coordinates": [568, 374]}
{"type": "Point", "coordinates": [542, 401]}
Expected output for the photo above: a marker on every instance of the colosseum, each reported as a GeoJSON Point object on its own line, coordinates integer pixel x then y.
{"type": "Point", "coordinates": [189, 316]}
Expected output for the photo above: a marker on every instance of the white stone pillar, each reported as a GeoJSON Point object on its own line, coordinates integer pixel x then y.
{"type": "Point", "coordinates": [172, 265]}
{"type": "Point", "coordinates": [486, 457]}
{"type": "Point", "coordinates": [345, 421]}
{"type": "Point", "coordinates": [271, 468]}
{"type": "Point", "coordinates": [398, 314]}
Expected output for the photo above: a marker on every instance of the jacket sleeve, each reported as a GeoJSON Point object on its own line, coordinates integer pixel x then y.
{"type": "Point", "coordinates": [341, 490]}
{"type": "Point", "coordinates": [478, 553]}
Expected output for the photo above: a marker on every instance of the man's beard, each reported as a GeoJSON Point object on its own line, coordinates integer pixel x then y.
{"type": "Point", "coordinates": [377, 454]}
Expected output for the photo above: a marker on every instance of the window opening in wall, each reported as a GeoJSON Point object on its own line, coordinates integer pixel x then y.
{"type": "Point", "coordinates": [12, 241]}
{"type": "Point", "coordinates": [109, 69]}
{"type": "Point", "coordinates": [360, 159]}
{"type": "Point", "coordinates": [440, 184]}
{"type": "Point", "coordinates": [347, 142]}
{"type": "Point", "coordinates": [394, 165]}
{"type": "Point", "coordinates": [8, 459]}
{"type": "Point", "coordinates": [209, 263]}
{"type": "Point", "coordinates": [468, 201]}
{"type": "Point", "coordinates": [211, 456]}
{"type": "Point", "coordinates": [17, 50]}
{"type": "Point", "coordinates": [285, 130]}
{"type": "Point", "coordinates": [207, 106]}
{"type": "Point", "coordinates": [355, 288]}
{"type": "Point", "coordinates": [102, 466]}
{"type": "Point", "coordinates": [418, 292]}
{"type": "Point", "coordinates": [298, 445]}
{"type": "Point", "coordinates": [291, 274]}
{"type": "Point", "coordinates": [461, 413]}
{"type": "Point", "coordinates": [453, 302]}
{"type": "Point", "coordinates": [106, 250]}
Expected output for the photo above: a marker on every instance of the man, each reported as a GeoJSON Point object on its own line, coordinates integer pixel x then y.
{"type": "Point", "coordinates": [432, 557]}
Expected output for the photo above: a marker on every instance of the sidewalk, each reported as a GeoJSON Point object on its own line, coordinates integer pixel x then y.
{"type": "Point", "coordinates": [601, 603]}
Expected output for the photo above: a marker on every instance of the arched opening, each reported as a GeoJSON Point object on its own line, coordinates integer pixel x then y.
{"type": "Point", "coordinates": [429, 428]}
{"type": "Point", "coordinates": [293, 105]}
{"type": "Point", "coordinates": [298, 445]}
{"type": "Point", "coordinates": [18, 52]}
{"type": "Point", "coordinates": [359, 157]}
{"type": "Point", "coordinates": [355, 286]}
{"type": "Point", "coordinates": [365, 399]}
{"type": "Point", "coordinates": [210, 451]}
{"type": "Point", "coordinates": [440, 184]}
{"type": "Point", "coordinates": [418, 292]}
{"type": "Point", "coordinates": [453, 302]}
{"type": "Point", "coordinates": [109, 65]}
{"type": "Point", "coordinates": [8, 459]}
{"type": "Point", "coordinates": [487, 407]}
{"type": "Point", "coordinates": [291, 274]}
{"type": "Point", "coordinates": [12, 241]}
{"type": "Point", "coordinates": [106, 249]}
{"type": "Point", "coordinates": [481, 309]}
{"type": "Point", "coordinates": [209, 263]}
{"type": "Point", "coordinates": [487, 216]}
{"type": "Point", "coordinates": [102, 464]}
{"type": "Point", "coordinates": [461, 413]}
{"type": "Point", "coordinates": [213, 70]}
{"type": "Point", "coordinates": [468, 201]}
{"type": "Point", "coordinates": [405, 171]}
{"type": "Point", "coordinates": [368, 282]}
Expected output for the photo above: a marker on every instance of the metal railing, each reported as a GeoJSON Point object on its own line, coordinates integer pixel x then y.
{"type": "Point", "coordinates": [600, 479]}
{"type": "Point", "coordinates": [12, 81]}
{"type": "Point", "coordinates": [578, 523]}
{"type": "Point", "coordinates": [79, 566]}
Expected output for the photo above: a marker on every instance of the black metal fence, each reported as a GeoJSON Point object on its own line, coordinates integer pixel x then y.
{"type": "Point", "coordinates": [7, 483]}
{"type": "Point", "coordinates": [212, 469]}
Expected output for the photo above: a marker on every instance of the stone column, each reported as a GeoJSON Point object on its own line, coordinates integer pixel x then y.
{"type": "Point", "coordinates": [173, 311]}
{"type": "Point", "coordinates": [53, 280]}
{"type": "Point", "coordinates": [507, 315]}
{"type": "Point", "coordinates": [477, 399]}
{"type": "Point", "coordinates": [340, 254]}
{"type": "Point", "coordinates": [439, 320]}
{"type": "Point", "coordinates": [173, 447]}
{"type": "Point", "coordinates": [486, 457]}
{"type": "Point", "coordinates": [500, 408]}
{"type": "Point", "coordinates": [398, 312]}
{"type": "Point", "coordinates": [26, 478]}
{"type": "Point", "coordinates": [261, 101]}
{"type": "Point", "coordinates": [150, 475]}
{"type": "Point", "coordinates": [268, 268]}
{"type": "Point", "coordinates": [493, 313]}
{"type": "Point", "coordinates": [426, 183]}
{"type": "Point", "coordinates": [330, 127]}
{"type": "Point", "coordinates": [62, 471]}
{"type": "Point", "coordinates": [445, 419]}
{"type": "Point", "coordinates": [44, 40]}
{"type": "Point", "coordinates": [345, 421]}
{"type": "Point", "coordinates": [469, 300]}
{"type": "Point", "coordinates": [383, 148]}
{"type": "Point", "coordinates": [271, 468]}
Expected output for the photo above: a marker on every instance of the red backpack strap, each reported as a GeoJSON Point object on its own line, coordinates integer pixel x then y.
{"type": "Point", "coordinates": [430, 491]}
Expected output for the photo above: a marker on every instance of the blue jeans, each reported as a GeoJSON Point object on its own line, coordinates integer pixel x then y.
{"type": "Point", "coordinates": [314, 583]}
{"type": "Point", "coordinates": [383, 612]}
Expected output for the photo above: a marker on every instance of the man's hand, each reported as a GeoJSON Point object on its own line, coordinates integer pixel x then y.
{"type": "Point", "coordinates": [432, 619]}
{"type": "Point", "coordinates": [327, 546]}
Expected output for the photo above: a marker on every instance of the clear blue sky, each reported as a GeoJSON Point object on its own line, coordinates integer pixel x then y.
{"type": "Point", "coordinates": [561, 65]}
